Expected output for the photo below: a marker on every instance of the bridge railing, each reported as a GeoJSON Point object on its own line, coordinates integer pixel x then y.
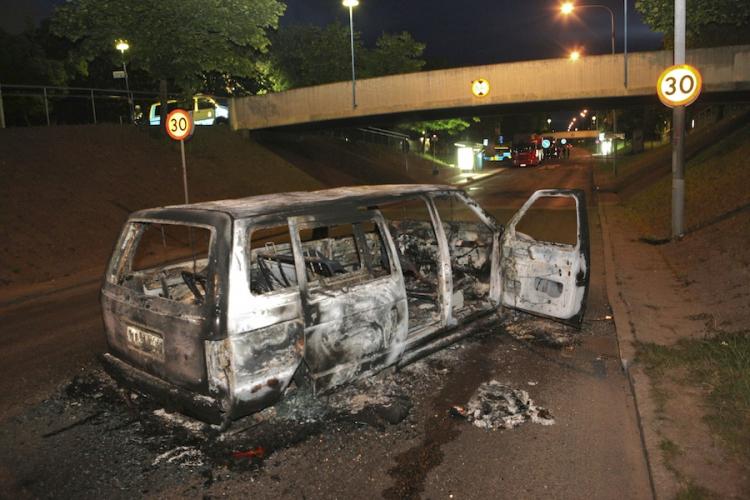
{"type": "Point", "coordinates": [27, 105]}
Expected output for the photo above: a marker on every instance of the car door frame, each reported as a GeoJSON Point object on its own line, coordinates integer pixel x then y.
{"type": "Point", "coordinates": [517, 253]}
{"type": "Point", "coordinates": [392, 318]}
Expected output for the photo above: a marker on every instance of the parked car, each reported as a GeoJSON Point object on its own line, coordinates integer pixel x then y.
{"type": "Point", "coordinates": [206, 111]}
{"type": "Point", "coordinates": [214, 307]}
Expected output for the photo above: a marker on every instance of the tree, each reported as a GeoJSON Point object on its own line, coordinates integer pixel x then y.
{"type": "Point", "coordinates": [176, 40]}
{"type": "Point", "coordinates": [709, 22]}
{"type": "Point", "coordinates": [301, 56]}
{"type": "Point", "coordinates": [25, 60]}
{"type": "Point", "coordinates": [393, 54]}
{"type": "Point", "coordinates": [309, 55]}
{"type": "Point", "coordinates": [450, 126]}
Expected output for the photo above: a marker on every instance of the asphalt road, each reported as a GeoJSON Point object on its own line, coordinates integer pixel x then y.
{"type": "Point", "coordinates": [593, 449]}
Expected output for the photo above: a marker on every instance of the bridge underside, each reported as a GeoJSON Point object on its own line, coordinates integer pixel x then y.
{"type": "Point", "coordinates": [595, 82]}
{"type": "Point", "coordinates": [575, 105]}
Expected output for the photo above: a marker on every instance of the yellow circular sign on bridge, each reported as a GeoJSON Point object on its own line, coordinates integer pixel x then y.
{"type": "Point", "coordinates": [480, 87]}
{"type": "Point", "coordinates": [679, 85]}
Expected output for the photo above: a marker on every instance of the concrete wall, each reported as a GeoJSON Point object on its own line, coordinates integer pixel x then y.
{"type": "Point", "coordinates": [723, 69]}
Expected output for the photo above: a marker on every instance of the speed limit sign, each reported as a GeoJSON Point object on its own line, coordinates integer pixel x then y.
{"type": "Point", "coordinates": [180, 125]}
{"type": "Point", "coordinates": [679, 85]}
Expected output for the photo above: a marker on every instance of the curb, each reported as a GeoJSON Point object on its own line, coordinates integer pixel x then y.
{"type": "Point", "coordinates": [483, 177]}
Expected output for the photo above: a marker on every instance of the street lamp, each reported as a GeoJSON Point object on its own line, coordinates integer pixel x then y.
{"type": "Point", "coordinates": [568, 7]}
{"type": "Point", "coordinates": [575, 55]}
{"type": "Point", "coordinates": [122, 46]}
{"type": "Point", "coordinates": [351, 4]}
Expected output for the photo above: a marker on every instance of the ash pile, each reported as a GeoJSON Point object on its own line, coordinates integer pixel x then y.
{"type": "Point", "coordinates": [497, 406]}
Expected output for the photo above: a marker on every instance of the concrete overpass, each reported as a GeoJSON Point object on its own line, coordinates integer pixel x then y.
{"type": "Point", "coordinates": [550, 81]}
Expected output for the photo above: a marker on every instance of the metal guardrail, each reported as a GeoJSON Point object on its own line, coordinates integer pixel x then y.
{"type": "Point", "coordinates": [113, 103]}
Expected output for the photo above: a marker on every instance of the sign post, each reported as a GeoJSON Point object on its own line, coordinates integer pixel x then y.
{"type": "Point", "coordinates": [180, 126]}
{"type": "Point", "coordinates": [679, 86]}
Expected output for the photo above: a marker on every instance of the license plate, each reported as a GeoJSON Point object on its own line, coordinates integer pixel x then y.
{"type": "Point", "coordinates": [146, 342]}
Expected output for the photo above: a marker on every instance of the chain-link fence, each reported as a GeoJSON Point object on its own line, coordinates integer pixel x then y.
{"type": "Point", "coordinates": [32, 105]}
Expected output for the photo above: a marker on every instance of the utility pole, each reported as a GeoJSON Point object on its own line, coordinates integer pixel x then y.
{"type": "Point", "coordinates": [678, 130]}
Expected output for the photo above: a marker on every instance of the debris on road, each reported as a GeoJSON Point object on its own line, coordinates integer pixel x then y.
{"type": "Point", "coordinates": [544, 332]}
{"type": "Point", "coordinates": [257, 452]}
{"type": "Point", "coordinates": [184, 456]}
{"type": "Point", "coordinates": [498, 406]}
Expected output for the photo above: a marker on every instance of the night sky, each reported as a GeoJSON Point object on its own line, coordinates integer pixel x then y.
{"type": "Point", "coordinates": [471, 32]}
{"type": "Point", "coordinates": [457, 33]}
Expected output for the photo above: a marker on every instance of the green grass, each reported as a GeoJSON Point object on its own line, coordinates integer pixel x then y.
{"type": "Point", "coordinates": [721, 365]}
{"type": "Point", "coordinates": [669, 452]}
{"type": "Point", "coordinates": [694, 492]}
{"type": "Point", "coordinates": [628, 163]}
{"type": "Point", "coordinates": [716, 181]}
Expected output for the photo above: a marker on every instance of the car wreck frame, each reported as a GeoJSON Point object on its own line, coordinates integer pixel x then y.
{"type": "Point", "coordinates": [320, 287]}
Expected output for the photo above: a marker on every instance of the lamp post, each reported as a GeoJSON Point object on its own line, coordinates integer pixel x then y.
{"type": "Point", "coordinates": [575, 55]}
{"type": "Point", "coordinates": [122, 46]}
{"type": "Point", "coordinates": [351, 4]}
{"type": "Point", "coordinates": [567, 8]}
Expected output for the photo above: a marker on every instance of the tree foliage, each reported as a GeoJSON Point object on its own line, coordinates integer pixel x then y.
{"type": "Point", "coordinates": [393, 54]}
{"type": "Point", "coordinates": [177, 40]}
{"type": "Point", "coordinates": [708, 22]}
{"type": "Point", "coordinates": [24, 59]}
{"type": "Point", "coordinates": [449, 126]}
{"type": "Point", "coordinates": [310, 55]}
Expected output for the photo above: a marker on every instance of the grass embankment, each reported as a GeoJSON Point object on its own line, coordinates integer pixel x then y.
{"type": "Point", "coordinates": [67, 190]}
{"type": "Point", "coordinates": [717, 181]}
{"type": "Point", "coordinates": [628, 164]}
{"type": "Point", "coordinates": [721, 365]}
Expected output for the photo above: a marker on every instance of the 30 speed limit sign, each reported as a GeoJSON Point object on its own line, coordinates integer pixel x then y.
{"type": "Point", "coordinates": [679, 85]}
{"type": "Point", "coordinates": [180, 125]}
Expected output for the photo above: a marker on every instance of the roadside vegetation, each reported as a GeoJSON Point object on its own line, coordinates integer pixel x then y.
{"type": "Point", "coordinates": [716, 183]}
{"type": "Point", "coordinates": [721, 365]}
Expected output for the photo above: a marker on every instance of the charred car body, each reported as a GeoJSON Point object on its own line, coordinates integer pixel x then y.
{"type": "Point", "coordinates": [214, 307]}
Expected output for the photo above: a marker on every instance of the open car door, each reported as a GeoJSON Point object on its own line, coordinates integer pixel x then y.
{"type": "Point", "coordinates": [548, 279]}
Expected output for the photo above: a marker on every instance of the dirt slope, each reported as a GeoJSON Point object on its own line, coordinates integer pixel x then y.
{"type": "Point", "coordinates": [65, 191]}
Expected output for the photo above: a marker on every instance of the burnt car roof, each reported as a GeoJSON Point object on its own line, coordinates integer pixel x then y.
{"type": "Point", "coordinates": [293, 201]}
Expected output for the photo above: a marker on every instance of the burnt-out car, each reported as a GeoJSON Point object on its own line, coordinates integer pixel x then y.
{"type": "Point", "coordinates": [214, 308]}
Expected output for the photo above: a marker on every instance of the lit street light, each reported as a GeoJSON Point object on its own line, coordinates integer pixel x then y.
{"type": "Point", "coordinates": [575, 55]}
{"type": "Point", "coordinates": [351, 4]}
{"type": "Point", "coordinates": [568, 7]}
{"type": "Point", "coordinates": [122, 46]}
